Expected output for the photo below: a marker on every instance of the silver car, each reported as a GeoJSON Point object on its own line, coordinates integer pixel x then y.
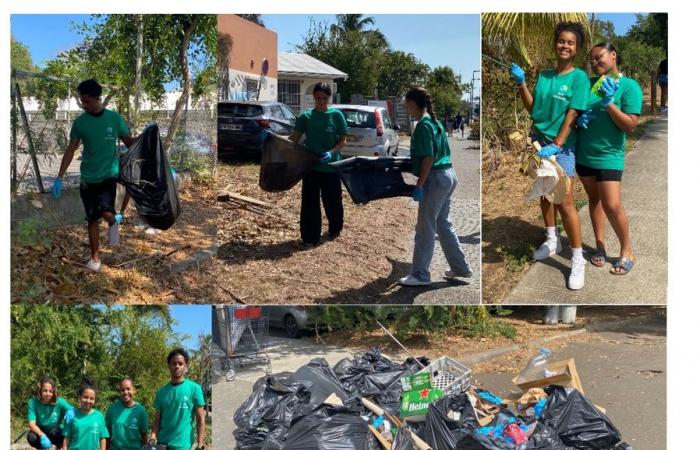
{"type": "Point", "coordinates": [372, 133]}
{"type": "Point", "coordinates": [293, 319]}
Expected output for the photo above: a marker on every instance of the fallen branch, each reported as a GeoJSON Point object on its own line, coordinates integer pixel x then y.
{"type": "Point", "coordinates": [155, 255]}
{"type": "Point", "coordinates": [226, 195]}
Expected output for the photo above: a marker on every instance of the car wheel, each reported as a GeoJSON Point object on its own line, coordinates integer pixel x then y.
{"type": "Point", "coordinates": [291, 327]}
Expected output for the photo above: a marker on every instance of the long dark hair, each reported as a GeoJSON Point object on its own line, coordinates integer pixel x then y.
{"type": "Point", "coordinates": [611, 48]}
{"type": "Point", "coordinates": [41, 383]}
{"type": "Point", "coordinates": [422, 99]}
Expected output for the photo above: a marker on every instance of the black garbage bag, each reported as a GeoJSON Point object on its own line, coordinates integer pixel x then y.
{"type": "Point", "coordinates": [145, 172]}
{"type": "Point", "coordinates": [577, 421]}
{"type": "Point", "coordinates": [545, 438]}
{"type": "Point", "coordinates": [323, 381]}
{"type": "Point", "coordinates": [351, 372]}
{"type": "Point", "coordinates": [384, 387]}
{"type": "Point", "coordinates": [443, 432]}
{"type": "Point", "coordinates": [283, 163]}
{"type": "Point", "coordinates": [403, 441]}
{"type": "Point", "coordinates": [368, 178]}
{"type": "Point", "coordinates": [330, 428]}
{"type": "Point", "coordinates": [478, 439]}
{"type": "Point", "coordinates": [263, 420]}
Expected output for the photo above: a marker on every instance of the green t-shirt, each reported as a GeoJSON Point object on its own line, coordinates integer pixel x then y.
{"type": "Point", "coordinates": [602, 144]}
{"type": "Point", "coordinates": [47, 417]}
{"type": "Point", "coordinates": [177, 404]}
{"type": "Point", "coordinates": [323, 130]}
{"type": "Point", "coordinates": [86, 430]}
{"type": "Point", "coordinates": [429, 139]}
{"type": "Point", "coordinates": [554, 95]}
{"type": "Point", "coordinates": [126, 424]}
{"type": "Point", "coordinates": [99, 136]}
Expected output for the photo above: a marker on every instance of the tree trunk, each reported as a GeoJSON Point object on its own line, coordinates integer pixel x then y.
{"type": "Point", "coordinates": [139, 69]}
{"type": "Point", "coordinates": [188, 30]}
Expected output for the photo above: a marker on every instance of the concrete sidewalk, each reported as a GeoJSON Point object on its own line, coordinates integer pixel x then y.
{"type": "Point", "coordinates": [645, 199]}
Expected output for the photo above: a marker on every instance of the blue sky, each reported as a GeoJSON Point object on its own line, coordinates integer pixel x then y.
{"type": "Point", "coordinates": [192, 320]}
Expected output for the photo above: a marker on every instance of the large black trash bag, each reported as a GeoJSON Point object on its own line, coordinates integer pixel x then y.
{"type": "Point", "coordinates": [329, 428]}
{"type": "Point", "coordinates": [368, 178]}
{"type": "Point", "coordinates": [323, 381]}
{"type": "Point", "coordinates": [577, 421]}
{"type": "Point", "coordinates": [283, 163]}
{"type": "Point", "coordinates": [403, 441]}
{"type": "Point", "coordinates": [263, 420]}
{"type": "Point", "coordinates": [545, 438]}
{"type": "Point", "coordinates": [445, 433]}
{"type": "Point", "coordinates": [145, 172]}
{"type": "Point", "coordinates": [475, 440]}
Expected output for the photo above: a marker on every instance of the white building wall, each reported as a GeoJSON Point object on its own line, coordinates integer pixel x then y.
{"type": "Point", "coordinates": [238, 81]}
{"type": "Point", "coordinates": [306, 91]}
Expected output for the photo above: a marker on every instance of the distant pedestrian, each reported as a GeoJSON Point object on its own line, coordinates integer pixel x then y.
{"type": "Point", "coordinates": [430, 160]}
{"type": "Point", "coordinates": [662, 79]}
{"type": "Point", "coordinates": [448, 124]}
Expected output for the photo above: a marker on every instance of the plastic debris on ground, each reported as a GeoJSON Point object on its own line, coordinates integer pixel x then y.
{"type": "Point", "coordinates": [355, 406]}
{"type": "Point", "coordinates": [146, 174]}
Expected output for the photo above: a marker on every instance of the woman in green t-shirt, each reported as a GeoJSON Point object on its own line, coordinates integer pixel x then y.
{"type": "Point", "coordinates": [88, 431]}
{"type": "Point", "coordinates": [326, 131]}
{"type": "Point", "coordinates": [430, 162]}
{"type": "Point", "coordinates": [613, 111]}
{"type": "Point", "coordinates": [45, 413]}
{"type": "Point", "coordinates": [127, 420]}
{"type": "Point", "coordinates": [558, 96]}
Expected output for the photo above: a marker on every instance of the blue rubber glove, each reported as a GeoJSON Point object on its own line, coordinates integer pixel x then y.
{"type": "Point", "coordinates": [418, 193]}
{"type": "Point", "coordinates": [517, 73]}
{"type": "Point", "coordinates": [69, 416]}
{"type": "Point", "coordinates": [550, 150]}
{"type": "Point", "coordinates": [44, 441]}
{"type": "Point", "coordinates": [608, 89]}
{"type": "Point", "coordinates": [118, 218]}
{"type": "Point", "coordinates": [583, 119]}
{"type": "Point", "coordinates": [326, 157]}
{"type": "Point", "coordinates": [56, 189]}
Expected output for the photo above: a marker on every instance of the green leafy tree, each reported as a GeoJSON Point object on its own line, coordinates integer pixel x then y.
{"type": "Point", "coordinates": [446, 89]}
{"type": "Point", "coordinates": [255, 18]}
{"type": "Point", "coordinates": [21, 59]}
{"type": "Point", "coordinates": [650, 29]}
{"type": "Point", "coordinates": [399, 72]}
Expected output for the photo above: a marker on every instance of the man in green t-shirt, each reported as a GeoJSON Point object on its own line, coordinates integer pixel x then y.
{"type": "Point", "coordinates": [127, 420]}
{"type": "Point", "coordinates": [178, 404]}
{"type": "Point", "coordinates": [98, 129]}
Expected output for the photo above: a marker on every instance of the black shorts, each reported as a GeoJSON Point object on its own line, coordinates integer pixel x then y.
{"type": "Point", "coordinates": [98, 198]}
{"type": "Point", "coordinates": [599, 174]}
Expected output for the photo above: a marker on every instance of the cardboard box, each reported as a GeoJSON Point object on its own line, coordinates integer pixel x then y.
{"type": "Point", "coordinates": [565, 374]}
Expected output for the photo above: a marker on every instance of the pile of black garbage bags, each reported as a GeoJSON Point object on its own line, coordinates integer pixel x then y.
{"type": "Point", "coordinates": [287, 411]}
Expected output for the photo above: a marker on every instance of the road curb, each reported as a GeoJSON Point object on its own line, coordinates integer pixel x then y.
{"type": "Point", "coordinates": [591, 327]}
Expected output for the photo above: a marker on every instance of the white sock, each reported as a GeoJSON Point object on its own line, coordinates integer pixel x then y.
{"type": "Point", "coordinates": [551, 232]}
{"type": "Point", "coordinates": [577, 253]}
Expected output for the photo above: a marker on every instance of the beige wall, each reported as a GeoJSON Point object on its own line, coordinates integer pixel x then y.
{"type": "Point", "coordinates": [251, 44]}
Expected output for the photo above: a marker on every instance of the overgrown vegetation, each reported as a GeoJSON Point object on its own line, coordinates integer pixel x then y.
{"type": "Point", "coordinates": [468, 321]}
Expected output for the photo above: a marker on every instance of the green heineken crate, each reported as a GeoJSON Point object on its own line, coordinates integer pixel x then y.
{"type": "Point", "coordinates": [414, 404]}
{"type": "Point", "coordinates": [415, 381]}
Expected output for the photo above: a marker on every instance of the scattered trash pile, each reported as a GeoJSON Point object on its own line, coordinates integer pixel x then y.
{"type": "Point", "coordinates": [369, 402]}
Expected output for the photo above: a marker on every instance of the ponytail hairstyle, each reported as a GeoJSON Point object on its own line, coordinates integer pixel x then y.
{"type": "Point", "coordinates": [86, 383]}
{"type": "Point", "coordinates": [611, 48]}
{"type": "Point", "coordinates": [422, 99]}
{"type": "Point", "coordinates": [41, 383]}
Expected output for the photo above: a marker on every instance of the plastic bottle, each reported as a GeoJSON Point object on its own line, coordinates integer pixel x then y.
{"type": "Point", "coordinates": [596, 86]}
{"type": "Point", "coordinates": [537, 367]}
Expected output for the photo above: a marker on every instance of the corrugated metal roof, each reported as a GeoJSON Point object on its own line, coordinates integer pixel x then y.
{"type": "Point", "coordinates": [305, 65]}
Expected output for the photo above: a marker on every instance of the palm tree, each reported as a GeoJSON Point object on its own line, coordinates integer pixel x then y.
{"type": "Point", "coordinates": [349, 23]}
{"type": "Point", "coordinates": [525, 37]}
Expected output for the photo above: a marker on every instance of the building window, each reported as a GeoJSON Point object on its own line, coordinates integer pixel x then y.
{"type": "Point", "coordinates": [289, 93]}
{"type": "Point", "coordinates": [251, 89]}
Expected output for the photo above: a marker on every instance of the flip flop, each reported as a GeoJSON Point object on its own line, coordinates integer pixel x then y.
{"type": "Point", "coordinates": [626, 264]}
{"type": "Point", "coordinates": [599, 257]}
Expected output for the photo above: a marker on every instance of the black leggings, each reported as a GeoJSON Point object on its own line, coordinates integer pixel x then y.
{"type": "Point", "coordinates": [328, 186]}
{"type": "Point", "coordinates": [54, 435]}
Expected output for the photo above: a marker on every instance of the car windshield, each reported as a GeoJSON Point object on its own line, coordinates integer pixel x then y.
{"type": "Point", "coordinates": [359, 119]}
{"type": "Point", "coordinates": [240, 110]}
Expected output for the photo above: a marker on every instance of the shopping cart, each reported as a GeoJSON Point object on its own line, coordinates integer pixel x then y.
{"type": "Point", "coordinates": [245, 339]}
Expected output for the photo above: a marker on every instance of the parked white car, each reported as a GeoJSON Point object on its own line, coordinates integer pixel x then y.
{"type": "Point", "coordinates": [372, 133]}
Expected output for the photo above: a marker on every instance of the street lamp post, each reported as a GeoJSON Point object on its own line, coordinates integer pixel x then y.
{"type": "Point", "coordinates": [471, 96]}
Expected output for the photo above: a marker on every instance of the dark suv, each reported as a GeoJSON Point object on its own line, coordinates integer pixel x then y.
{"type": "Point", "coordinates": [242, 126]}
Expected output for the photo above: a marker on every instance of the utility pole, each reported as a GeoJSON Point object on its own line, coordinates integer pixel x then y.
{"type": "Point", "coordinates": [471, 96]}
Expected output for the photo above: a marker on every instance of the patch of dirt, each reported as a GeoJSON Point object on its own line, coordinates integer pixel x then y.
{"type": "Point", "coordinates": [526, 320]}
{"type": "Point", "coordinates": [138, 270]}
{"type": "Point", "coordinates": [260, 259]}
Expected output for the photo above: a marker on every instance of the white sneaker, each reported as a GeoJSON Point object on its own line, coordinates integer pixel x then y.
{"type": "Point", "coordinates": [453, 274]}
{"type": "Point", "coordinates": [410, 280]}
{"type": "Point", "coordinates": [548, 248]}
{"type": "Point", "coordinates": [93, 265]}
{"type": "Point", "coordinates": [113, 234]}
{"type": "Point", "coordinates": [578, 273]}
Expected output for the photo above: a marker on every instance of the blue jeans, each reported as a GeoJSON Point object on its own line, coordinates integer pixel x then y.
{"type": "Point", "coordinates": [434, 217]}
